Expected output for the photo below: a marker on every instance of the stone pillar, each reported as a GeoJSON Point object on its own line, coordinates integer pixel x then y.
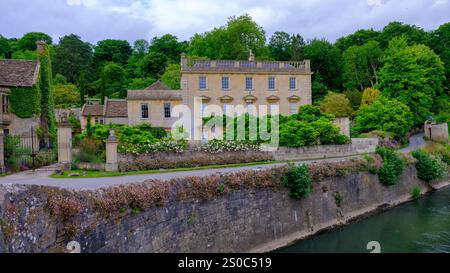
{"type": "Point", "coordinates": [65, 145]}
{"type": "Point", "coordinates": [111, 153]}
{"type": "Point", "coordinates": [2, 152]}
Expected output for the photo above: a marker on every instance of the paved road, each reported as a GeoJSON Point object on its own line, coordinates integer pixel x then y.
{"type": "Point", "coordinates": [40, 177]}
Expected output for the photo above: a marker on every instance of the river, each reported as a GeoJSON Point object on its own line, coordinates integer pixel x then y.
{"type": "Point", "coordinates": [420, 226]}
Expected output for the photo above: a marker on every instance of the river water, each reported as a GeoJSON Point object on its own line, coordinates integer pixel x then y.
{"type": "Point", "coordinates": [420, 226]}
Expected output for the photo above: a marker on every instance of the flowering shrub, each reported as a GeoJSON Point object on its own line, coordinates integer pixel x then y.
{"type": "Point", "coordinates": [190, 160]}
{"type": "Point", "coordinates": [148, 146]}
{"type": "Point", "coordinates": [218, 146]}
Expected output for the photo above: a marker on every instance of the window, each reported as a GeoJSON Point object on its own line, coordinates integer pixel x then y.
{"type": "Point", "coordinates": [292, 83]}
{"type": "Point", "coordinates": [202, 83]}
{"type": "Point", "coordinates": [293, 108]}
{"type": "Point", "coordinates": [167, 110]}
{"type": "Point", "coordinates": [271, 83]}
{"type": "Point", "coordinates": [249, 83]}
{"type": "Point", "coordinates": [98, 120]}
{"type": "Point", "coordinates": [5, 104]}
{"type": "Point", "coordinates": [273, 109]}
{"type": "Point", "coordinates": [225, 83]}
{"type": "Point", "coordinates": [144, 111]}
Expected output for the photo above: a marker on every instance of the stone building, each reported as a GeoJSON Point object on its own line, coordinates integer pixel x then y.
{"type": "Point", "coordinates": [17, 74]}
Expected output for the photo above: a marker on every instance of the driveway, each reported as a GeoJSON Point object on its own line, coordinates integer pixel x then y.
{"type": "Point", "coordinates": [41, 177]}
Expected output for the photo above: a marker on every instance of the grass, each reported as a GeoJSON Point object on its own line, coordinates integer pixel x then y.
{"type": "Point", "coordinates": [99, 174]}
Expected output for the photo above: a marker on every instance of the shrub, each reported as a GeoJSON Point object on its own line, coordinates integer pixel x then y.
{"type": "Point", "coordinates": [337, 105]}
{"type": "Point", "coordinates": [441, 150]}
{"type": "Point", "coordinates": [392, 168]}
{"type": "Point", "coordinates": [428, 167]}
{"type": "Point", "coordinates": [219, 146]}
{"type": "Point", "coordinates": [91, 150]}
{"type": "Point", "coordinates": [148, 146]}
{"type": "Point", "coordinates": [415, 192]}
{"type": "Point", "coordinates": [298, 180]}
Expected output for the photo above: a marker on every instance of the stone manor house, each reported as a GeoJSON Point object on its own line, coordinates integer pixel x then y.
{"type": "Point", "coordinates": [224, 83]}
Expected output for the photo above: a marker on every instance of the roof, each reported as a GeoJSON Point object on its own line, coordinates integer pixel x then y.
{"type": "Point", "coordinates": [93, 110]}
{"type": "Point", "coordinates": [246, 66]}
{"type": "Point", "coordinates": [116, 109]}
{"type": "Point", "coordinates": [18, 73]}
{"type": "Point", "coordinates": [158, 86]}
{"type": "Point", "coordinates": [154, 95]}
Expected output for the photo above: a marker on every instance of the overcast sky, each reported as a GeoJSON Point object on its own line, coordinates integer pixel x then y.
{"type": "Point", "coordinates": [95, 20]}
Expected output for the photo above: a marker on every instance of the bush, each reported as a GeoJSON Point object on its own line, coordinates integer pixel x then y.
{"type": "Point", "coordinates": [219, 146]}
{"type": "Point", "coordinates": [392, 168]}
{"type": "Point", "coordinates": [441, 150]}
{"type": "Point", "coordinates": [336, 104]}
{"type": "Point", "coordinates": [147, 146]}
{"type": "Point", "coordinates": [415, 192]}
{"type": "Point", "coordinates": [428, 167]}
{"type": "Point", "coordinates": [92, 150]}
{"type": "Point", "coordinates": [298, 180]}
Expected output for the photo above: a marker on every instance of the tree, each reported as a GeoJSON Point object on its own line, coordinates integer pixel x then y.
{"type": "Point", "coordinates": [153, 65]}
{"type": "Point", "coordinates": [280, 46]}
{"type": "Point", "coordinates": [5, 48]}
{"type": "Point", "coordinates": [297, 48]}
{"type": "Point", "coordinates": [319, 89]}
{"type": "Point", "coordinates": [117, 51]}
{"type": "Point", "coordinates": [326, 61]}
{"type": "Point", "coordinates": [388, 115]}
{"type": "Point", "coordinates": [169, 46]}
{"type": "Point", "coordinates": [441, 45]}
{"type": "Point", "coordinates": [414, 75]}
{"type": "Point", "coordinates": [72, 56]}
{"type": "Point", "coordinates": [59, 79]}
{"type": "Point", "coordinates": [354, 96]}
{"type": "Point", "coordinates": [361, 65]}
{"type": "Point", "coordinates": [358, 38]}
{"type": "Point", "coordinates": [82, 86]}
{"type": "Point", "coordinates": [66, 95]}
{"type": "Point", "coordinates": [369, 96]}
{"type": "Point", "coordinates": [414, 34]}
{"type": "Point", "coordinates": [336, 104]}
{"type": "Point", "coordinates": [172, 76]}
{"type": "Point", "coordinates": [140, 83]}
{"type": "Point", "coordinates": [232, 41]}
{"type": "Point", "coordinates": [113, 81]}
{"type": "Point", "coordinates": [140, 47]}
{"type": "Point", "coordinates": [28, 41]}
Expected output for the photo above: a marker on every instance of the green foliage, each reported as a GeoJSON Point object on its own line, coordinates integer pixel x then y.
{"type": "Point", "coordinates": [319, 89]}
{"type": "Point", "coordinates": [140, 83]}
{"type": "Point", "coordinates": [91, 150]}
{"type": "Point", "coordinates": [28, 41]}
{"type": "Point", "coordinates": [369, 96]}
{"type": "Point", "coordinates": [25, 102]}
{"type": "Point", "coordinates": [172, 76]}
{"type": "Point", "coordinates": [298, 180]}
{"type": "Point", "coordinates": [440, 44]}
{"type": "Point", "coordinates": [153, 64]}
{"type": "Point", "coordinates": [326, 61]}
{"type": "Point", "coordinates": [169, 46]}
{"type": "Point", "coordinates": [361, 65]}
{"type": "Point", "coordinates": [66, 95]}
{"type": "Point", "coordinates": [59, 79]}
{"type": "Point", "coordinates": [25, 55]}
{"type": "Point", "coordinates": [5, 48]}
{"type": "Point", "coordinates": [113, 81]}
{"type": "Point", "coordinates": [414, 34]}
{"type": "Point", "coordinates": [392, 168]}
{"type": "Point", "coordinates": [336, 104]}
{"type": "Point", "coordinates": [48, 121]}
{"type": "Point", "coordinates": [384, 114]}
{"type": "Point", "coordinates": [284, 47]}
{"type": "Point", "coordinates": [117, 51]}
{"type": "Point", "coordinates": [71, 57]}
{"type": "Point", "coordinates": [355, 97]}
{"type": "Point", "coordinates": [416, 192]}
{"type": "Point", "coordinates": [358, 38]}
{"type": "Point", "coordinates": [338, 198]}
{"type": "Point", "coordinates": [231, 42]}
{"type": "Point", "coordinates": [429, 167]}
{"type": "Point", "coordinates": [413, 75]}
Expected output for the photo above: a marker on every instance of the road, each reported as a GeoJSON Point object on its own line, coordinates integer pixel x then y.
{"type": "Point", "coordinates": [41, 177]}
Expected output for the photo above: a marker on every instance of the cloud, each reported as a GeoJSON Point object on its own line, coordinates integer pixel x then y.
{"type": "Point", "coordinates": [95, 20]}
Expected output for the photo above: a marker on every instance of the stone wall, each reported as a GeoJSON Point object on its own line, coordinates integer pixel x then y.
{"type": "Point", "coordinates": [436, 132]}
{"type": "Point", "coordinates": [20, 126]}
{"type": "Point", "coordinates": [248, 219]}
{"type": "Point", "coordinates": [194, 158]}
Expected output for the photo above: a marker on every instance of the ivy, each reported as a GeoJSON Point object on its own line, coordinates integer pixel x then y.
{"type": "Point", "coordinates": [25, 101]}
{"type": "Point", "coordinates": [47, 105]}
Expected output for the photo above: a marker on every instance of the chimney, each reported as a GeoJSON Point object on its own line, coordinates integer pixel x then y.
{"type": "Point", "coordinates": [251, 57]}
{"type": "Point", "coordinates": [41, 45]}
{"type": "Point", "coordinates": [183, 61]}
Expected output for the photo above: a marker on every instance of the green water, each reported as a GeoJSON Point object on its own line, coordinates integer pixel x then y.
{"type": "Point", "coordinates": [421, 226]}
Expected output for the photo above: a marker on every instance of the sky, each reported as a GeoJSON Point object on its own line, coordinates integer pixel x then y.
{"type": "Point", "coordinates": [95, 20]}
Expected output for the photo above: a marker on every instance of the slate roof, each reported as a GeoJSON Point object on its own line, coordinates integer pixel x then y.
{"type": "Point", "coordinates": [93, 110]}
{"type": "Point", "coordinates": [246, 66]}
{"type": "Point", "coordinates": [158, 86]}
{"type": "Point", "coordinates": [18, 73]}
{"type": "Point", "coordinates": [116, 109]}
{"type": "Point", "coordinates": [154, 95]}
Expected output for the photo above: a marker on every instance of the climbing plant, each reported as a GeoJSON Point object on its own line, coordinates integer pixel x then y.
{"type": "Point", "coordinates": [25, 101]}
